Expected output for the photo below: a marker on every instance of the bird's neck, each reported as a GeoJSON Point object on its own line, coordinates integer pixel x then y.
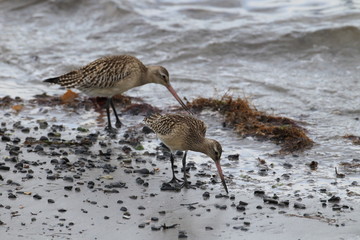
{"type": "Point", "coordinates": [202, 146]}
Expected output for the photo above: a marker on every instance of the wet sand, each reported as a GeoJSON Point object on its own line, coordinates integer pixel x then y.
{"type": "Point", "coordinates": [68, 179]}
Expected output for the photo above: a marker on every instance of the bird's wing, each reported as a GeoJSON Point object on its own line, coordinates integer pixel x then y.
{"type": "Point", "coordinates": [106, 72]}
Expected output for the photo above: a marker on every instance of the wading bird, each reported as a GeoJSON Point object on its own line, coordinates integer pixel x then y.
{"type": "Point", "coordinates": [112, 75]}
{"type": "Point", "coordinates": [184, 132]}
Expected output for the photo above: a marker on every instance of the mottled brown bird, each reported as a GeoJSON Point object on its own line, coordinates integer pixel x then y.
{"type": "Point", "coordinates": [184, 132]}
{"type": "Point", "coordinates": [112, 75]}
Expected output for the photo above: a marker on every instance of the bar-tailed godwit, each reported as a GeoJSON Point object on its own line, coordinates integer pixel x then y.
{"type": "Point", "coordinates": [184, 132]}
{"type": "Point", "coordinates": [108, 76]}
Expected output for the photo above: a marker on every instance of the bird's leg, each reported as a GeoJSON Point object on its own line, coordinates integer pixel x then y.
{"type": "Point", "coordinates": [174, 178]}
{"type": "Point", "coordinates": [118, 122]}
{"type": "Point", "coordinates": [107, 106]}
{"type": "Point", "coordinates": [186, 183]}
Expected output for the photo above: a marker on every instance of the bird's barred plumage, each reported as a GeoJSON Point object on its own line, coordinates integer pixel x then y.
{"type": "Point", "coordinates": [166, 124]}
{"type": "Point", "coordinates": [104, 72]}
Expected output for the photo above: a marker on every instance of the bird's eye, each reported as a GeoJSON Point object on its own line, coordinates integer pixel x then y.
{"type": "Point", "coordinates": [164, 77]}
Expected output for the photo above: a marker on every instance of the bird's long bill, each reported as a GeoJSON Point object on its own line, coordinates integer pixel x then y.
{"type": "Point", "coordinates": [217, 163]}
{"type": "Point", "coordinates": [169, 87]}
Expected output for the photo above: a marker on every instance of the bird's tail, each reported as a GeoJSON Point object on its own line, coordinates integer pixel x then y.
{"type": "Point", "coordinates": [52, 80]}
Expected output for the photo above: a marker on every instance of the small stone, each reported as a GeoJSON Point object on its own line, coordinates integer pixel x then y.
{"type": "Point", "coordinates": [155, 228]}
{"type": "Point", "coordinates": [11, 196]}
{"type": "Point", "coordinates": [241, 203]}
{"type": "Point", "coordinates": [155, 219]}
{"type": "Point", "coordinates": [142, 171]}
{"type": "Point", "coordinates": [141, 208]}
{"type": "Point", "coordinates": [68, 188]}
{"type": "Point", "coordinates": [299, 205]}
{"type": "Point", "coordinates": [68, 178]}
{"type": "Point", "coordinates": [51, 200]}
{"type": "Point", "coordinates": [141, 225]}
{"type": "Point", "coordinates": [334, 199]}
{"type": "Point", "coordinates": [182, 234]}
{"type": "Point", "coordinates": [206, 195]}
{"type": "Point", "coordinates": [4, 168]}
{"type": "Point", "coordinates": [124, 209]}
{"type": "Point", "coordinates": [240, 208]}
{"type": "Point", "coordinates": [233, 157]}
{"type": "Point", "coordinates": [207, 228]}
{"type": "Point", "coordinates": [147, 130]}
{"type": "Point", "coordinates": [62, 210]}
{"type": "Point", "coordinates": [37, 196]}
{"type": "Point", "coordinates": [270, 200]}
{"type": "Point", "coordinates": [259, 193]}
{"type": "Point", "coordinates": [134, 197]}
{"type": "Point", "coordinates": [5, 138]}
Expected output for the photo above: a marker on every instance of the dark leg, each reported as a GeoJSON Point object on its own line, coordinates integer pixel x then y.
{"type": "Point", "coordinates": [118, 122]}
{"type": "Point", "coordinates": [174, 179]}
{"type": "Point", "coordinates": [186, 183]}
{"type": "Point", "coordinates": [107, 106]}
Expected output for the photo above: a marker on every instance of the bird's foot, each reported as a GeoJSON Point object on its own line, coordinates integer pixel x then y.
{"type": "Point", "coordinates": [175, 180]}
{"type": "Point", "coordinates": [111, 130]}
{"type": "Point", "coordinates": [187, 185]}
{"type": "Point", "coordinates": [118, 124]}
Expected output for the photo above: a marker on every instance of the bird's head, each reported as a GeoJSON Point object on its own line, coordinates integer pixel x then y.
{"type": "Point", "coordinates": [214, 150]}
{"type": "Point", "coordinates": [159, 75]}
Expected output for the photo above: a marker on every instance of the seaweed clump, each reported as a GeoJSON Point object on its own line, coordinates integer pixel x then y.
{"type": "Point", "coordinates": [248, 121]}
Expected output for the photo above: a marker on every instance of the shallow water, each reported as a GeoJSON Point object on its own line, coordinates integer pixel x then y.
{"type": "Point", "coordinates": [298, 59]}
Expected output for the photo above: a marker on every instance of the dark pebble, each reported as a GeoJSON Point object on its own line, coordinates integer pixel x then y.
{"type": "Point", "coordinates": [299, 205]}
{"type": "Point", "coordinates": [206, 195]}
{"type": "Point", "coordinates": [4, 168]}
{"type": "Point", "coordinates": [182, 234]}
{"type": "Point", "coordinates": [77, 189]}
{"type": "Point", "coordinates": [11, 196]}
{"type": "Point", "coordinates": [50, 177]}
{"type": "Point", "coordinates": [62, 210]}
{"type": "Point", "coordinates": [51, 201]}
{"type": "Point", "coordinates": [270, 200]}
{"type": "Point", "coordinates": [233, 157]}
{"type": "Point", "coordinates": [162, 212]}
{"type": "Point", "coordinates": [106, 217]}
{"type": "Point", "coordinates": [38, 148]}
{"type": "Point", "coordinates": [243, 203]}
{"type": "Point", "coordinates": [334, 199]}
{"type": "Point", "coordinates": [258, 207]}
{"type": "Point", "coordinates": [284, 203]}
{"type": "Point", "coordinates": [68, 178]}
{"type": "Point", "coordinates": [141, 208]}
{"type": "Point", "coordinates": [240, 208]}
{"type": "Point", "coordinates": [68, 188]}
{"type": "Point", "coordinates": [141, 225]}
{"type": "Point", "coordinates": [207, 228]}
{"type": "Point", "coordinates": [124, 209]}
{"type": "Point", "coordinates": [5, 138]}
{"type": "Point", "coordinates": [142, 171]}
{"type": "Point", "coordinates": [287, 165]}
{"type": "Point", "coordinates": [120, 202]}
{"type": "Point", "coordinates": [147, 130]}
{"type": "Point", "coordinates": [155, 219]}
{"type": "Point", "coordinates": [37, 196]}
{"type": "Point", "coordinates": [155, 228]}
{"type": "Point", "coordinates": [259, 193]}
{"type": "Point", "coordinates": [139, 180]}
{"type": "Point", "coordinates": [336, 207]}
